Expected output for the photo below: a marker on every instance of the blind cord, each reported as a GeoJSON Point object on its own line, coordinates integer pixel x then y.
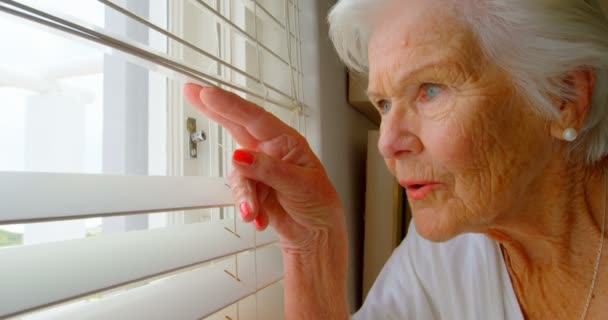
{"type": "Point", "coordinates": [260, 69]}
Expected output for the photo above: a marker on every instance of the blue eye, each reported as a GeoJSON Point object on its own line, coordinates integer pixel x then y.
{"type": "Point", "coordinates": [385, 106]}
{"type": "Point", "coordinates": [430, 91]}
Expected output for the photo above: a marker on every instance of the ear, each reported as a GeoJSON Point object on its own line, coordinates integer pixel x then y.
{"type": "Point", "coordinates": [573, 111]}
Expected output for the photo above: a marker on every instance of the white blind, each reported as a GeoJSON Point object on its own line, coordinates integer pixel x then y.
{"type": "Point", "coordinates": [179, 251]}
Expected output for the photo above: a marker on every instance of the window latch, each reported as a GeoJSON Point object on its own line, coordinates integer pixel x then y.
{"type": "Point", "coordinates": [194, 137]}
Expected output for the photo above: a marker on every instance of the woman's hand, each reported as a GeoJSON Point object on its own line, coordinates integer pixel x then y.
{"type": "Point", "coordinates": [276, 179]}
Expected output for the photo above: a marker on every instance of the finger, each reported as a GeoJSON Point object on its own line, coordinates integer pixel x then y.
{"type": "Point", "coordinates": [245, 197]}
{"type": "Point", "coordinates": [261, 221]}
{"type": "Point", "coordinates": [257, 130]}
{"type": "Point", "coordinates": [261, 124]}
{"type": "Point", "coordinates": [263, 191]}
{"type": "Point", "coordinates": [275, 173]}
{"type": "Point", "coordinates": [260, 218]}
{"type": "Point", "coordinates": [192, 93]}
{"type": "Point", "coordinates": [280, 220]}
{"type": "Point", "coordinates": [238, 132]}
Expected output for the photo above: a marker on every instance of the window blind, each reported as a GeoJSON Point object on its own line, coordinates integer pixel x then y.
{"type": "Point", "coordinates": [203, 262]}
{"type": "Point", "coordinates": [172, 66]}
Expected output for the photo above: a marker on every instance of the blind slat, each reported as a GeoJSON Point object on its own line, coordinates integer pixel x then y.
{"type": "Point", "coordinates": [190, 45]}
{"type": "Point", "coordinates": [28, 197]}
{"type": "Point", "coordinates": [139, 54]}
{"type": "Point", "coordinates": [39, 275]}
{"type": "Point", "coordinates": [184, 264]}
{"type": "Point", "coordinates": [254, 5]}
{"type": "Point", "coordinates": [193, 294]}
{"type": "Point", "coordinates": [246, 34]}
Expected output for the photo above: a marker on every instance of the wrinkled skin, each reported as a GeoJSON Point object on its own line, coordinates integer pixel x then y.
{"type": "Point", "coordinates": [451, 116]}
{"type": "Point", "coordinates": [476, 138]}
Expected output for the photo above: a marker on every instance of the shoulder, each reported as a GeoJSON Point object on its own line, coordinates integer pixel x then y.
{"type": "Point", "coordinates": [427, 280]}
{"type": "Point", "coordinates": [448, 267]}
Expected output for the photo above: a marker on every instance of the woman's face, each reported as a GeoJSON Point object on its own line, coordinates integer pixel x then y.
{"type": "Point", "coordinates": [465, 146]}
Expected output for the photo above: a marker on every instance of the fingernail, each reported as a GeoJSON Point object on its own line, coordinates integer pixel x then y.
{"type": "Point", "coordinates": [243, 156]}
{"type": "Point", "coordinates": [244, 208]}
{"type": "Point", "coordinates": [258, 222]}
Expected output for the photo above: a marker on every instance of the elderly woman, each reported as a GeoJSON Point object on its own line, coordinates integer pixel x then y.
{"type": "Point", "coordinates": [495, 120]}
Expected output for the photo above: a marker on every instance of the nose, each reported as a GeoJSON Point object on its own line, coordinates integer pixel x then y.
{"type": "Point", "coordinates": [396, 137]}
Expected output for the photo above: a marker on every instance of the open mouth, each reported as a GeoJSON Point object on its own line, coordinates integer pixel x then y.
{"type": "Point", "coordinates": [419, 190]}
{"type": "Point", "coordinates": [415, 186]}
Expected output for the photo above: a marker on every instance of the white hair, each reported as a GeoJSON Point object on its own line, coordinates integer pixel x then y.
{"type": "Point", "coordinates": [538, 42]}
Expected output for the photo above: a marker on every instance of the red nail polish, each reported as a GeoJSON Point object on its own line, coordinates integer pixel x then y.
{"type": "Point", "coordinates": [258, 222]}
{"type": "Point", "coordinates": [244, 208]}
{"type": "Point", "coordinates": [243, 156]}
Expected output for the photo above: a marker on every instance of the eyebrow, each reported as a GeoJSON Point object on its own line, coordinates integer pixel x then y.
{"type": "Point", "coordinates": [413, 73]}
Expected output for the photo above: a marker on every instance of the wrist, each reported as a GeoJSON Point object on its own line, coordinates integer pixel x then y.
{"type": "Point", "coordinates": [315, 277]}
{"type": "Point", "coordinates": [329, 235]}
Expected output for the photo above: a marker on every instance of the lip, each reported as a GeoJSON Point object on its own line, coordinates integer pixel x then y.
{"type": "Point", "coordinates": [417, 189]}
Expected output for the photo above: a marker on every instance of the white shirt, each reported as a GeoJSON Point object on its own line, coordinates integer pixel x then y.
{"type": "Point", "coordinates": [462, 279]}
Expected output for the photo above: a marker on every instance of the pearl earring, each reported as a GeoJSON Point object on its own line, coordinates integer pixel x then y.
{"type": "Point", "coordinates": [570, 134]}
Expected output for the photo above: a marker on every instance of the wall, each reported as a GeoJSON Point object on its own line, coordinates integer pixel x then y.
{"type": "Point", "coordinates": [338, 132]}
